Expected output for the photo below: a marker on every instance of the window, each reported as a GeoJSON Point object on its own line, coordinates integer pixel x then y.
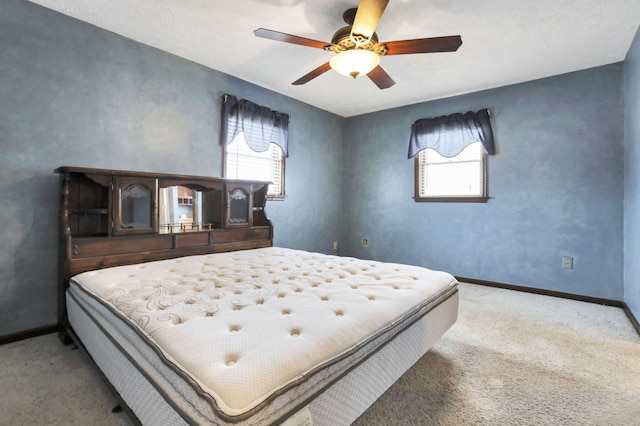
{"type": "Point", "coordinates": [241, 162]}
{"type": "Point", "coordinates": [459, 178]}
{"type": "Point", "coordinates": [450, 156]}
{"type": "Point", "coordinates": [255, 140]}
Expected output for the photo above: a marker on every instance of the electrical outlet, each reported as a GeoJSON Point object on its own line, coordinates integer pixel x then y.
{"type": "Point", "coordinates": [365, 242]}
{"type": "Point", "coordinates": [567, 262]}
{"type": "Point", "coordinates": [335, 245]}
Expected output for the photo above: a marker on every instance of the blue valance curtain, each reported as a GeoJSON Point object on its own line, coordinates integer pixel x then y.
{"type": "Point", "coordinates": [450, 134]}
{"type": "Point", "coordinates": [261, 126]}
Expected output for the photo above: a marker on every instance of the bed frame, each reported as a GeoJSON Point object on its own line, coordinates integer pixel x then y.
{"type": "Point", "coordinates": [95, 231]}
{"type": "Point", "coordinates": [112, 218]}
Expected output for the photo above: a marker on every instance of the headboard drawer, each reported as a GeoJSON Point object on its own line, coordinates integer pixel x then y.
{"type": "Point", "coordinates": [192, 240]}
{"type": "Point", "coordinates": [90, 247]}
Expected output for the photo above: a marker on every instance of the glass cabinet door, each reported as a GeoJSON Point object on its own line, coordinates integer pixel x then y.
{"type": "Point", "coordinates": [238, 205]}
{"type": "Point", "coordinates": [135, 205]}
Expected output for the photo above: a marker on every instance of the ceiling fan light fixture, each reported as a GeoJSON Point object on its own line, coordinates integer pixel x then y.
{"type": "Point", "coordinates": [355, 62]}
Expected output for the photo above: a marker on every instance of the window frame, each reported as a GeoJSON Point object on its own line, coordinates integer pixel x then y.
{"type": "Point", "coordinates": [483, 198]}
{"type": "Point", "coordinates": [283, 164]}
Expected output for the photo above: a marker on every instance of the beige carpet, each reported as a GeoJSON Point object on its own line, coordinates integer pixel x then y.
{"type": "Point", "coordinates": [43, 382]}
{"type": "Point", "coordinates": [521, 359]}
{"type": "Point", "coordinates": [511, 359]}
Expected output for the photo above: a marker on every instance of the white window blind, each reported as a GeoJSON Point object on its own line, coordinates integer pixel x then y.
{"type": "Point", "coordinates": [459, 176]}
{"type": "Point", "coordinates": [244, 163]}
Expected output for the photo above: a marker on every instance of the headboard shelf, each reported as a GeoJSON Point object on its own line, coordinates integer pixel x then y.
{"type": "Point", "coordinates": [116, 217]}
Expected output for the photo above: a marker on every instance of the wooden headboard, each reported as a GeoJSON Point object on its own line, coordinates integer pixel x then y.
{"type": "Point", "coordinates": [114, 217]}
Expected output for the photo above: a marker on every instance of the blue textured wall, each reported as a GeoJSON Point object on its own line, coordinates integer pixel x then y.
{"type": "Point", "coordinates": [72, 94]}
{"type": "Point", "coordinates": [632, 178]}
{"type": "Point", "coordinates": [556, 186]}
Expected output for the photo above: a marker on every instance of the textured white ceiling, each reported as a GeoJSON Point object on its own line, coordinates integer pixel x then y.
{"type": "Point", "coordinates": [504, 42]}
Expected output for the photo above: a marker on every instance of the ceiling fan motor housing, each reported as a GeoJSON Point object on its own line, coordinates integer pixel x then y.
{"type": "Point", "coordinates": [343, 40]}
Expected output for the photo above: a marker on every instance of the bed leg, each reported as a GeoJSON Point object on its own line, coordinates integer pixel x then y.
{"type": "Point", "coordinates": [65, 338]}
{"type": "Point", "coordinates": [117, 409]}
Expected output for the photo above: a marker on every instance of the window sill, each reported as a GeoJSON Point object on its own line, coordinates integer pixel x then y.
{"type": "Point", "coordinates": [451, 199]}
{"type": "Point", "coordinates": [275, 197]}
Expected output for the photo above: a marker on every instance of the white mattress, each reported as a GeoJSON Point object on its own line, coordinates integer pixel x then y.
{"type": "Point", "coordinates": [251, 335]}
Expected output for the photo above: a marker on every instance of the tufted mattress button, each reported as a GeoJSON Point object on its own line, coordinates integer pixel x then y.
{"type": "Point", "coordinates": [231, 361]}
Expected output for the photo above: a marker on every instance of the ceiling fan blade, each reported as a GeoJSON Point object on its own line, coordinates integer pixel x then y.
{"type": "Point", "coordinates": [313, 74]}
{"type": "Point", "coordinates": [380, 78]}
{"type": "Point", "coordinates": [423, 45]}
{"type": "Point", "coordinates": [367, 17]}
{"type": "Point", "coordinates": [288, 38]}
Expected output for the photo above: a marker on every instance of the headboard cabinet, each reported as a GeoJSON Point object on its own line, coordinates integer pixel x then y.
{"type": "Point", "coordinates": [114, 217]}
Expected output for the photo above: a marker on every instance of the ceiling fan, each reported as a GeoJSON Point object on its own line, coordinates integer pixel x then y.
{"type": "Point", "coordinates": [356, 47]}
